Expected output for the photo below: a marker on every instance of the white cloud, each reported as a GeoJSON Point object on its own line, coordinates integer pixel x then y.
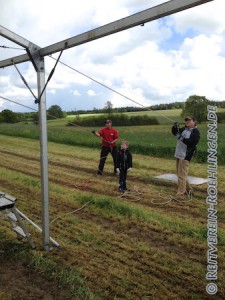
{"type": "Point", "coordinates": [163, 61]}
{"type": "Point", "coordinates": [208, 17]}
{"type": "Point", "coordinates": [52, 91]}
{"type": "Point", "coordinates": [76, 93]}
{"type": "Point", "coordinates": [91, 93]}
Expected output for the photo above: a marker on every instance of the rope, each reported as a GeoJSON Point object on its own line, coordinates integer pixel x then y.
{"type": "Point", "coordinates": [171, 199]}
{"type": "Point", "coordinates": [86, 183]}
{"type": "Point", "coordinates": [135, 196]}
{"type": "Point", "coordinates": [132, 196]}
{"type": "Point", "coordinates": [70, 213]}
{"type": "Point", "coordinates": [153, 201]}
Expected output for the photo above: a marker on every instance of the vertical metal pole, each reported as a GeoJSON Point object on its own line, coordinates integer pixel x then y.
{"type": "Point", "coordinates": [43, 157]}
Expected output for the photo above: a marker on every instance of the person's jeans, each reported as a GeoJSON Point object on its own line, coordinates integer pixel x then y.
{"type": "Point", "coordinates": [182, 167]}
{"type": "Point", "coordinates": [122, 180]}
{"type": "Point", "coordinates": [104, 153]}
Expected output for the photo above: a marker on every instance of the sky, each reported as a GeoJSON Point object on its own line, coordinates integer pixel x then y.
{"type": "Point", "coordinates": [164, 61]}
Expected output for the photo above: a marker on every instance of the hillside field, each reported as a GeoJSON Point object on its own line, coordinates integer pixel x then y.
{"type": "Point", "coordinates": [131, 247]}
{"type": "Point", "coordinates": [154, 140]}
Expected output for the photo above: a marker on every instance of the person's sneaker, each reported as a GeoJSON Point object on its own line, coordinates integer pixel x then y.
{"type": "Point", "coordinates": [177, 198]}
{"type": "Point", "coordinates": [121, 190]}
{"type": "Point", "coordinates": [190, 194]}
{"type": "Point", "coordinates": [174, 199]}
{"type": "Point", "coordinates": [99, 172]}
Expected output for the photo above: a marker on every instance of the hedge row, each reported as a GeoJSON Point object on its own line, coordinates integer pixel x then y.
{"type": "Point", "coordinates": [117, 120]}
{"type": "Point", "coordinates": [221, 117]}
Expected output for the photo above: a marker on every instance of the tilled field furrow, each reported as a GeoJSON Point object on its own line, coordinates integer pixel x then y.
{"type": "Point", "coordinates": [69, 181]}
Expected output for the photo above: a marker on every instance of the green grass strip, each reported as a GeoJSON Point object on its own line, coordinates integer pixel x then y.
{"type": "Point", "coordinates": [171, 224]}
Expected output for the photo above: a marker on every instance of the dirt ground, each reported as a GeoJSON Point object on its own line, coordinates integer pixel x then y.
{"type": "Point", "coordinates": [17, 281]}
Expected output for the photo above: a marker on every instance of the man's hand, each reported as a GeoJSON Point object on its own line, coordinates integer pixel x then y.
{"type": "Point", "coordinates": [117, 171]}
{"type": "Point", "coordinates": [129, 169]}
{"type": "Point", "coordinates": [175, 128]}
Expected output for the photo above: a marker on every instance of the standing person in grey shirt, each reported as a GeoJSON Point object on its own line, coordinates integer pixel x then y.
{"type": "Point", "coordinates": [187, 140]}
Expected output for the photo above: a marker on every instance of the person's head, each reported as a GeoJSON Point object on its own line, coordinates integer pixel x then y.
{"type": "Point", "coordinates": [190, 121]}
{"type": "Point", "coordinates": [124, 145]}
{"type": "Point", "coordinates": [108, 123]}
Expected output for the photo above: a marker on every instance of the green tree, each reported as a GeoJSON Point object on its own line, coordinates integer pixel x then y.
{"type": "Point", "coordinates": [108, 108]}
{"type": "Point", "coordinates": [9, 116]}
{"type": "Point", "coordinates": [55, 112]}
{"type": "Point", "coordinates": [35, 118]}
{"type": "Point", "coordinates": [196, 106]}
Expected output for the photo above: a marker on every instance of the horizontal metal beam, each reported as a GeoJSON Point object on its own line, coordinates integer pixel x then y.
{"type": "Point", "coordinates": [19, 40]}
{"type": "Point", "coordinates": [29, 47]}
{"type": "Point", "coordinates": [16, 59]}
{"type": "Point", "coordinates": [145, 16]}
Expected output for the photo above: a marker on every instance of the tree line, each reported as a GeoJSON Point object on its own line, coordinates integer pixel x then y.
{"type": "Point", "coordinates": [194, 105]}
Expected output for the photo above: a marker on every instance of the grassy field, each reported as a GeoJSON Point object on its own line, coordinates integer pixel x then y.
{"type": "Point", "coordinates": [160, 115]}
{"type": "Point", "coordinates": [114, 248]}
{"type": "Point", "coordinates": [155, 140]}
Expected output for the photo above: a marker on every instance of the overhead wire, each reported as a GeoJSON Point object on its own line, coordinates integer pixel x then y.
{"type": "Point", "coordinates": [111, 89]}
{"type": "Point", "coordinates": [13, 48]}
{"type": "Point", "coordinates": [134, 195]}
{"type": "Point", "coordinates": [129, 195]}
{"type": "Point", "coordinates": [13, 101]}
{"type": "Point", "coordinates": [89, 77]}
{"type": "Point", "coordinates": [83, 186]}
{"type": "Point", "coordinates": [49, 115]}
{"type": "Point", "coordinates": [83, 74]}
{"type": "Point", "coordinates": [37, 100]}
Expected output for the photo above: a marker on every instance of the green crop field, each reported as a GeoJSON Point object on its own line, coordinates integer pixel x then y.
{"type": "Point", "coordinates": [131, 247]}
{"type": "Point", "coordinates": [155, 140]}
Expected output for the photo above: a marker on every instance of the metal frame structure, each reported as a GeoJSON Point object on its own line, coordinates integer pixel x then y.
{"type": "Point", "coordinates": [36, 55]}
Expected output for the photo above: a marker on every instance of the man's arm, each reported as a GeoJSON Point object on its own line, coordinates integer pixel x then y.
{"type": "Point", "coordinates": [95, 133]}
{"type": "Point", "coordinates": [114, 141]}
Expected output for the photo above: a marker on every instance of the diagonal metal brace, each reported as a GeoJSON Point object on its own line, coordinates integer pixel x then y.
{"type": "Point", "coordinates": [49, 78]}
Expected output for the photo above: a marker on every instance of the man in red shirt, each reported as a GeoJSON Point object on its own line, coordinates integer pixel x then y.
{"type": "Point", "coordinates": [109, 138]}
